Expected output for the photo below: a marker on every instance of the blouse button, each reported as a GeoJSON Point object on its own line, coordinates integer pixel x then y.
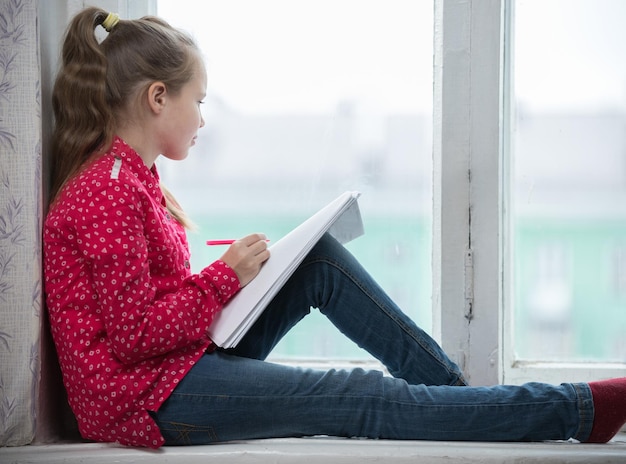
{"type": "Point", "coordinates": [187, 265]}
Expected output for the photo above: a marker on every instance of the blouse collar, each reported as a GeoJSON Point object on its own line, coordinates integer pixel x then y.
{"type": "Point", "coordinates": [149, 177]}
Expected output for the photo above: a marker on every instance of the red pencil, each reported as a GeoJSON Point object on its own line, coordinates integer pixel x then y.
{"type": "Point", "coordinates": [222, 242]}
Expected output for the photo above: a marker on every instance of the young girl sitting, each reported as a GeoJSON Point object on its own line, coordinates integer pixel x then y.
{"type": "Point", "coordinates": [130, 319]}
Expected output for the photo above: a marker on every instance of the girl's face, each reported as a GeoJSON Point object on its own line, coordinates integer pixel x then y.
{"type": "Point", "coordinates": [184, 117]}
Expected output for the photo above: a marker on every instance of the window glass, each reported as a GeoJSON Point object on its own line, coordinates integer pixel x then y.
{"type": "Point", "coordinates": [569, 148]}
{"type": "Point", "coordinates": [306, 100]}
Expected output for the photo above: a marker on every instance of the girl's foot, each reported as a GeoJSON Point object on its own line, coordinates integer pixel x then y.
{"type": "Point", "coordinates": [609, 402]}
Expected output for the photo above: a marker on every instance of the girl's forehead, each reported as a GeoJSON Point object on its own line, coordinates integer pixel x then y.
{"type": "Point", "coordinates": [200, 69]}
{"type": "Point", "coordinates": [201, 73]}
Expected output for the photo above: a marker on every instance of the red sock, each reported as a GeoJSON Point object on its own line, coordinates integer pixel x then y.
{"type": "Point", "coordinates": [609, 403]}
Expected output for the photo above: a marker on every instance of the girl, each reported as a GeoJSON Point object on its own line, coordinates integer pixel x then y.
{"type": "Point", "coordinates": [130, 320]}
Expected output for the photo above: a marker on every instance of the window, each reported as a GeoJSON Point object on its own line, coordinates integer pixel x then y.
{"type": "Point", "coordinates": [569, 181]}
{"type": "Point", "coordinates": [485, 269]}
{"type": "Point", "coordinates": [504, 208]}
{"type": "Point", "coordinates": [307, 100]}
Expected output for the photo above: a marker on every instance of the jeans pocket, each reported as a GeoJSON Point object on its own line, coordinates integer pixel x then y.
{"type": "Point", "coordinates": [180, 433]}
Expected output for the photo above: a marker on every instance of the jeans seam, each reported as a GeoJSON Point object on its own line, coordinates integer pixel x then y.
{"type": "Point", "coordinates": [586, 411]}
{"type": "Point", "coordinates": [184, 429]}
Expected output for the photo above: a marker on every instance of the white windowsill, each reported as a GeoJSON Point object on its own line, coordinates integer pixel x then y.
{"type": "Point", "coordinates": [324, 450]}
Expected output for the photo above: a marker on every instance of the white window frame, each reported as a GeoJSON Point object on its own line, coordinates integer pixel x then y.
{"type": "Point", "coordinates": [471, 251]}
{"type": "Point", "coordinates": [467, 290]}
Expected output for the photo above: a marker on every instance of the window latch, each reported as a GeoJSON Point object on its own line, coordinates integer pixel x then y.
{"type": "Point", "coordinates": [469, 284]}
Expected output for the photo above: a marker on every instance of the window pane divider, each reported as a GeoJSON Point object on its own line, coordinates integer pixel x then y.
{"type": "Point", "coordinates": [466, 185]}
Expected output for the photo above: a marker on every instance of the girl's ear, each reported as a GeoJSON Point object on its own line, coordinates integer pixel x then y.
{"type": "Point", "coordinates": [157, 96]}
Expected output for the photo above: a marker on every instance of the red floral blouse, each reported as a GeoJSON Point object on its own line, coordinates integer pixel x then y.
{"type": "Point", "coordinates": [128, 317]}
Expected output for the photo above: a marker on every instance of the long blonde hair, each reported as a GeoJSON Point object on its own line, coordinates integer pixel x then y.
{"type": "Point", "coordinates": [96, 81]}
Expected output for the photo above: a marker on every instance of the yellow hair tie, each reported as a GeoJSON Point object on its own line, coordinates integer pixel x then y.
{"type": "Point", "coordinates": [110, 21]}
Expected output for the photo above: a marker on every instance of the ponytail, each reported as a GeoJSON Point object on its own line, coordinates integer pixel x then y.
{"type": "Point", "coordinates": [83, 119]}
{"type": "Point", "coordinates": [99, 84]}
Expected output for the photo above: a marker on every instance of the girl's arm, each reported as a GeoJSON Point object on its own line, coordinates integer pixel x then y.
{"type": "Point", "coordinates": [140, 319]}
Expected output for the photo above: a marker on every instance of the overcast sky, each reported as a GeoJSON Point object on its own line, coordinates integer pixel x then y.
{"type": "Point", "coordinates": [283, 55]}
{"type": "Point", "coordinates": [306, 56]}
{"type": "Point", "coordinates": [570, 53]}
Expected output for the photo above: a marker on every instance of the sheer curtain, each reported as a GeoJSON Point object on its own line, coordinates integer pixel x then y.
{"type": "Point", "coordinates": [20, 220]}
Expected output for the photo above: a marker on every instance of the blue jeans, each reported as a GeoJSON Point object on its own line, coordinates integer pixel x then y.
{"type": "Point", "coordinates": [236, 395]}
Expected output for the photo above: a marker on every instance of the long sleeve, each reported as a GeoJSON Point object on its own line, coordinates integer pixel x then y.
{"type": "Point", "coordinates": [147, 310]}
{"type": "Point", "coordinates": [128, 317]}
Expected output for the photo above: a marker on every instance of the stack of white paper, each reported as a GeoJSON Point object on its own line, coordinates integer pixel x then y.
{"type": "Point", "coordinates": [341, 218]}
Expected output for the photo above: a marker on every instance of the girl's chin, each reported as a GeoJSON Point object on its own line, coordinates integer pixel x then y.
{"type": "Point", "coordinates": [177, 156]}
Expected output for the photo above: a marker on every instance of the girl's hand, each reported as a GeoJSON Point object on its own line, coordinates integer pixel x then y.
{"type": "Point", "coordinates": [245, 256]}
